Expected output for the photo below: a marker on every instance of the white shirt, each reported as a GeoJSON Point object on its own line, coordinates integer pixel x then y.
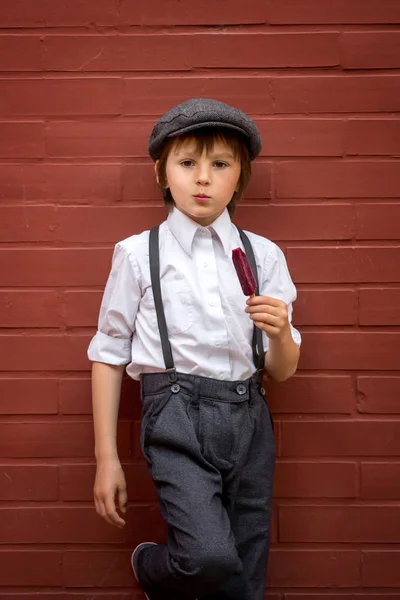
{"type": "Point", "coordinates": [210, 332]}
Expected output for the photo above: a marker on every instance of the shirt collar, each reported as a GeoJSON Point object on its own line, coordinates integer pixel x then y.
{"type": "Point", "coordinates": [184, 229]}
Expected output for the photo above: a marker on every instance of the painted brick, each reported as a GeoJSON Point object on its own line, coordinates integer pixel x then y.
{"type": "Point", "coordinates": [342, 596]}
{"type": "Point", "coordinates": [301, 137]}
{"type": "Point", "coordinates": [55, 266]}
{"type": "Point", "coordinates": [98, 138]}
{"type": "Point", "coordinates": [25, 395]}
{"type": "Point", "coordinates": [379, 306]}
{"type": "Point", "coordinates": [334, 93]}
{"type": "Point", "coordinates": [155, 95]}
{"type": "Point", "coordinates": [378, 395]}
{"type": "Point", "coordinates": [315, 480]}
{"type": "Point", "coordinates": [380, 481]}
{"type": "Point", "coordinates": [21, 139]}
{"type": "Point", "coordinates": [318, 222]}
{"type": "Point", "coordinates": [60, 182]}
{"type": "Point", "coordinates": [141, 52]}
{"type": "Point", "coordinates": [82, 308]}
{"type": "Point", "coordinates": [76, 482]}
{"type": "Point", "coordinates": [55, 439]}
{"type": "Point", "coordinates": [28, 482]}
{"type": "Point", "coordinates": [44, 352]}
{"type": "Point", "coordinates": [377, 221]}
{"type": "Point", "coordinates": [345, 524]}
{"type": "Point", "coordinates": [360, 264]}
{"type": "Point", "coordinates": [365, 50]}
{"type": "Point", "coordinates": [303, 394]}
{"type": "Point", "coordinates": [314, 568]}
{"type": "Point", "coordinates": [59, 595]}
{"type": "Point", "coordinates": [300, 12]}
{"type": "Point", "coordinates": [337, 306]}
{"type": "Point", "coordinates": [338, 179]}
{"type": "Point", "coordinates": [380, 569]}
{"type": "Point", "coordinates": [350, 350]}
{"type": "Point", "coordinates": [30, 568]}
{"type": "Point", "coordinates": [20, 53]}
{"type": "Point", "coordinates": [340, 438]}
{"type": "Point", "coordinates": [255, 50]}
{"type": "Point", "coordinates": [54, 97]}
{"type": "Point", "coordinates": [209, 12]}
{"type": "Point", "coordinates": [27, 223]}
{"type": "Point", "coordinates": [106, 223]}
{"type": "Point", "coordinates": [372, 136]}
{"type": "Point", "coordinates": [22, 13]}
{"type": "Point", "coordinates": [29, 309]}
{"type": "Point", "coordinates": [94, 568]}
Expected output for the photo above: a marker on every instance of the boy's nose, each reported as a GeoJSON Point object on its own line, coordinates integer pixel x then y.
{"type": "Point", "coordinates": [203, 177]}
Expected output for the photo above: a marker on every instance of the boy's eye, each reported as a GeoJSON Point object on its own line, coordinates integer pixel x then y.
{"type": "Point", "coordinates": [187, 163]}
{"type": "Point", "coordinates": [220, 164]}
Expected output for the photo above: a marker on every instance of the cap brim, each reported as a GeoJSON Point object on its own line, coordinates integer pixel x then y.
{"type": "Point", "coordinates": [203, 125]}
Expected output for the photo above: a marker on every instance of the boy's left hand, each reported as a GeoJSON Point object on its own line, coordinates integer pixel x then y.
{"type": "Point", "coordinates": [270, 315]}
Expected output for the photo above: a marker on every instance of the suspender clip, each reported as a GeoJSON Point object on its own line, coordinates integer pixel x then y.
{"type": "Point", "coordinates": [172, 376]}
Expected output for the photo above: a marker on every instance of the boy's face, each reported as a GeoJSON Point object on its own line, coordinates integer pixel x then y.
{"type": "Point", "coordinates": [202, 185]}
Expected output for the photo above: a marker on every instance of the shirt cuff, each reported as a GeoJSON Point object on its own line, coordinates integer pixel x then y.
{"type": "Point", "coordinates": [296, 335]}
{"type": "Point", "coordinates": [111, 350]}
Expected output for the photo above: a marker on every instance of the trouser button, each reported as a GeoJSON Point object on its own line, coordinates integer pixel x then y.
{"type": "Point", "coordinates": [241, 389]}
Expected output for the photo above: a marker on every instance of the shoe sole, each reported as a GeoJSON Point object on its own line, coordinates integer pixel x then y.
{"type": "Point", "coordinates": [132, 563]}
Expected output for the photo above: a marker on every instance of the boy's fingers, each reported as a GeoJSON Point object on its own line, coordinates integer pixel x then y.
{"type": "Point", "coordinates": [122, 499]}
{"type": "Point", "coordinates": [264, 300]}
{"type": "Point", "coordinates": [111, 513]}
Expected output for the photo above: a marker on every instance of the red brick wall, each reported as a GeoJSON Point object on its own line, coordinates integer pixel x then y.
{"type": "Point", "coordinates": [81, 84]}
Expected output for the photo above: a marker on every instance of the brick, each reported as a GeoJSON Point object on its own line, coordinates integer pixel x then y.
{"type": "Point", "coordinates": [357, 264]}
{"type": "Point", "coordinates": [318, 222]}
{"type": "Point", "coordinates": [340, 438]}
{"type": "Point", "coordinates": [76, 482]}
{"type": "Point", "coordinates": [365, 50]}
{"type": "Point", "coordinates": [378, 395]}
{"type": "Point", "coordinates": [301, 137]}
{"type": "Point", "coordinates": [21, 139]}
{"type": "Point", "coordinates": [380, 568]}
{"type": "Point", "coordinates": [54, 266]}
{"type": "Point", "coordinates": [60, 182]}
{"type": "Point", "coordinates": [339, 524]}
{"type": "Point", "coordinates": [380, 481]}
{"type": "Point", "coordinates": [262, 50]}
{"type": "Point", "coordinates": [379, 306]}
{"type": "Point", "coordinates": [82, 308]}
{"type": "Point", "coordinates": [307, 394]}
{"type": "Point", "coordinates": [59, 595]}
{"type": "Point", "coordinates": [29, 309]}
{"type": "Point", "coordinates": [88, 568]}
{"type": "Point", "coordinates": [55, 439]}
{"type": "Point", "coordinates": [75, 396]}
{"type": "Point", "coordinates": [315, 480]}
{"type": "Point", "coordinates": [28, 482]}
{"type": "Point", "coordinates": [292, 12]}
{"type": "Point", "coordinates": [341, 596]}
{"type": "Point", "coordinates": [350, 350]}
{"type": "Point", "coordinates": [377, 221]}
{"type": "Point", "coordinates": [30, 568]}
{"type": "Point", "coordinates": [106, 223]}
{"type": "Point", "coordinates": [372, 136]}
{"type": "Point", "coordinates": [25, 395]}
{"type": "Point", "coordinates": [313, 568]}
{"type": "Point", "coordinates": [155, 95]}
{"type": "Point", "coordinates": [98, 138]}
{"type": "Point", "coordinates": [45, 12]}
{"type": "Point", "coordinates": [337, 179]}
{"type": "Point", "coordinates": [27, 223]}
{"type": "Point", "coordinates": [141, 52]}
{"type": "Point", "coordinates": [57, 97]}
{"type": "Point", "coordinates": [334, 93]}
{"type": "Point", "coordinates": [337, 306]}
{"type": "Point", "coordinates": [209, 12]}
{"type": "Point", "coordinates": [20, 53]}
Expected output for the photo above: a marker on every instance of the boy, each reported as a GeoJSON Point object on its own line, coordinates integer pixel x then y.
{"type": "Point", "coordinates": [206, 428]}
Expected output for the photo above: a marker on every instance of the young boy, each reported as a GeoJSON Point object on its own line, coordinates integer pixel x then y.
{"type": "Point", "coordinates": [175, 316]}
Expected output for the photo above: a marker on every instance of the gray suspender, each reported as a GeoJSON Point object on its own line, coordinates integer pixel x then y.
{"type": "Point", "coordinates": [257, 342]}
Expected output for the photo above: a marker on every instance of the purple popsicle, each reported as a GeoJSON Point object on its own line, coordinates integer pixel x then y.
{"type": "Point", "coordinates": [244, 272]}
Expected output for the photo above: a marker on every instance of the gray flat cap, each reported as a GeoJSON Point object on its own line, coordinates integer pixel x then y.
{"type": "Point", "coordinates": [198, 113]}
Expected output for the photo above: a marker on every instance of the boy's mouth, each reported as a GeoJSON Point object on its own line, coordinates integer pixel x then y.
{"type": "Point", "coordinates": [201, 196]}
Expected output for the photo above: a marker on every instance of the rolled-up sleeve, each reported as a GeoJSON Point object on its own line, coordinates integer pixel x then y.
{"type": "Point", "coordinates": [278, 284]}
{"type": "Point", "coordinates": [112, 342]}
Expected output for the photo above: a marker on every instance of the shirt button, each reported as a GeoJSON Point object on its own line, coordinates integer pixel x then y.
{"type": "Point", "coordinates": [221, 376]}
{"type": "Point", "coordinates": [205, 265]}
{"type": "Point", "coordinates": [211, 303]}
{"type": "Point", "coordinates": [217, 343]}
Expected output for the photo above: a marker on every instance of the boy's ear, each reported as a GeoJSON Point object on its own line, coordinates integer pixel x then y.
{"type": "Point", "coordinates": [156, 171]}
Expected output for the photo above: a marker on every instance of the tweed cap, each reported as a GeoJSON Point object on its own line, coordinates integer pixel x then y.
{"type": "Point", "coordinates": [199, 113]}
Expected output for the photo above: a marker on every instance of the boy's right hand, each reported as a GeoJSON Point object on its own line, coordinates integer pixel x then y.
{"type": "Point", "coordinates": [110, 491]}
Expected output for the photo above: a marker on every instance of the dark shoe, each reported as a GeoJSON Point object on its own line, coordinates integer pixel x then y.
{"type": "Point", "coordinates": [135, 557]}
